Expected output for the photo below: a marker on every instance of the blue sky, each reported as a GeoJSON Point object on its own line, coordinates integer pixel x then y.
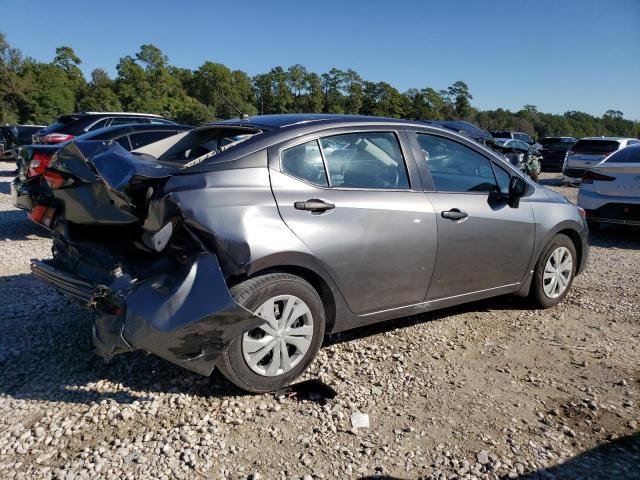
{"type": "Point", "coordinates": [558, 55]}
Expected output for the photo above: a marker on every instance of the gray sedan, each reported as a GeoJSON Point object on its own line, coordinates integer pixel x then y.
{"type": "Point", "coordinates": [240, 244]}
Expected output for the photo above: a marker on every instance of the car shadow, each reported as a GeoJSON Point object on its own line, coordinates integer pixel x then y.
{"type": "Point", "coordinates": [501, 303]}
{"type": "Point", "coordinates": [15, 225]}
{"type": "Point", "coordinates": [615, 236]}
{"type": "Point", "coordinates": [552, 182]}
{"type": "Point", "coordinates": [619, 459]}
{"type": "Point", "coordinates": [46, 353]}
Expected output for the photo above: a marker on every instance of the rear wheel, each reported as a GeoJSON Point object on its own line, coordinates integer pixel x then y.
{"type": "Point", "coordinates": [554, 272]}
{"type": "Point", "coordinates": [271, 356]}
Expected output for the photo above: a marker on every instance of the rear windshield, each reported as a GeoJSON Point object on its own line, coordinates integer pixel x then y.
{"type": "Point", "coordinates": [557, 142]}
{"type": "Point", "coordinates": [626, 155]}
{"type": "Point", "coordinates": [596, 147]}
{"type": "Point", "coordinates": [67, 124]}
{"type": "Point", "coordinates": [523, 136]}
{"type": "Point", "coordinates": [501, 134]}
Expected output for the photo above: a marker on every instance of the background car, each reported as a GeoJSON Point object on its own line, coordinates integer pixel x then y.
{"type": "Point", "coordinates": [73, 125]}
{"type": "Point", "coordinates": [35, 158]}
{"type": "Point", "coordinates": [464, 128]}
{"type": "Point", "coordinates": [553, 151]}
{"type": "Point", "coordinates": [588, 152]}
{"type": "Point", "coordinates": [280, 228]}
{"type": "Point", "coordinates": [13, 136]}
{"type": "Point", "coordinates": [522, 136]}
{"type": "Point", "coordinates": [610, 191]}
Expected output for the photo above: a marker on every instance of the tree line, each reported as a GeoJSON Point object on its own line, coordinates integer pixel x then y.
{"type": "Point", "coordinates": [36, 92]}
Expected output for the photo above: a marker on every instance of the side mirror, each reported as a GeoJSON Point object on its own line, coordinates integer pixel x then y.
{"type": "Point", "coordinates": [517, 188]}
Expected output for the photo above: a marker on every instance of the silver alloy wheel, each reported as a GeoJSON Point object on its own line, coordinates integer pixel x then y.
{"type": "Point", "coordinates": [557, 272]}
{"type": "Point", "coordinates": [279, 345]}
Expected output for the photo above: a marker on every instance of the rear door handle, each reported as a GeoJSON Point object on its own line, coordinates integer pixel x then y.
{"type": "Point", "coordinates": [454, 214]}
{"type": "Point", "coordinates": [314, 205]}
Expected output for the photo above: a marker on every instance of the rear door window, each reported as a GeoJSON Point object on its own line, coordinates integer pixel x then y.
{"type": "Point", "coordinates": [127, 120]}
{"type": "Point", "coordinates": [305, 163]}
{"type": "Point", "coordinates": [371, 160]}
{"type": "Point", "coordinates": [455, 167]}
{"type": "Point", "coordinates": [99, 124]}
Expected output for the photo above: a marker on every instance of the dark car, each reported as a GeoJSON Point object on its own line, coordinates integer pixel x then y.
{"type": "Point", "coordinates": [240, 250]}
{"type": "Point", "coordinates": [34, 159]}
{"type": "Point", "coordinates": [553, 151]}
{"type": "Point", "coordinates": [13, 136]}
{"type": "Point", "coordinates": [73, 125]}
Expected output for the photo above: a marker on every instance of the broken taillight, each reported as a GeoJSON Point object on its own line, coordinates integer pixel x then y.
{"type": "Point", "coordinates": [38, 163]}
{"type": "Point", "coordinates": [56, 180]}
{"type": "Point", "coordinates": [589, 177]}
{"type": "Point", "coordinates": [42, 214]}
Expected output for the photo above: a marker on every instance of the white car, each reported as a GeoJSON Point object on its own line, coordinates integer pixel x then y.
{"type": "Point", "coordinates": [588, 152]}
{"type": "Point", "coordinates": [610, 192]}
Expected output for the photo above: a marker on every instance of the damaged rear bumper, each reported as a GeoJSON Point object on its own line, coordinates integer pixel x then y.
{"type": "Point", "coordinates": [188, 319]}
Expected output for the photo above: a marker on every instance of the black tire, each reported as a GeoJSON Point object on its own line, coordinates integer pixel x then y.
{"type": "Point", "coordinates": [537, 294]}
{"type": "Point", "coordinates": [251, 294]}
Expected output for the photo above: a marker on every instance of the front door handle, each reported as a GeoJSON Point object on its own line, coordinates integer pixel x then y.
{"type": "Point", "coordinates": [314, 205]}
{"type": "Point", "coordinates": [454, 214]}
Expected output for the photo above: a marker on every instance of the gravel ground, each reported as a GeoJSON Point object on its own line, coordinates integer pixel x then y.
{"type": "Point", "coordinates": [486, 390]}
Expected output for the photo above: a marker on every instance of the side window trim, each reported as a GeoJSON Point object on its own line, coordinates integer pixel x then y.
{"type": "Point", "coordinates": [319, 135]}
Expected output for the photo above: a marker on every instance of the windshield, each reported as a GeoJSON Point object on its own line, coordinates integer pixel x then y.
{"type": "Point", "coordinates": [596, 147]}
{"type": "Point", "coordinates": [501, 134]}
{"type": "Point", "coordinates": [559, 143]}
{"type": "Point", "coordinates": [523, 137]}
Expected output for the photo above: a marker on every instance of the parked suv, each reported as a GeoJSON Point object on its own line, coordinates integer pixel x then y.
{"type": "Point", "coordinates": [524, 137]}
{"type": "Point", "coordinates": [588, 152]}
{"type": "Point", "coordinates": [553, 151]}
{"type": "Point", "coordinates": [69, 126]}
{"type": "Point", "coordinates": [239, 250]}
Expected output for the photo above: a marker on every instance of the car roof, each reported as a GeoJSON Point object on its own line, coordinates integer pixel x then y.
{"type": "Point", "coordinates": [137, 114]}
{"type": "Point", "coordinates": [461, 126]}
{"type": "Point", "coordinates": [607, 138]}
{"type": "Point", "coordinates": [289, 120]}
{"type": "Point", "coordinates": [134, 127]}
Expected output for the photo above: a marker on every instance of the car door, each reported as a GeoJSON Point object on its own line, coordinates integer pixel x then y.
{"type": "Point", "coordinates": [483, 243]}
{"type": "Point", "coordinates": [356, 203]}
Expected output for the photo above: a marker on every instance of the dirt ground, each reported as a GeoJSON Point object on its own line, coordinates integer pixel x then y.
{"type": "Point", "coordinates": [491, 389]}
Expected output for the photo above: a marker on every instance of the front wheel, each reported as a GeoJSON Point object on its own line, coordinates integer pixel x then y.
{"type": "Point", "coordinates": [554, 272]}
{"type": "Point", "coordinates": [271, 356]}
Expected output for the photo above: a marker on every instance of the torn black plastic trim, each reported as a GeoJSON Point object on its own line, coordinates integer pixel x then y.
{"type": "Point", "coordinates": [189, 323]}
{"type": "Point", "coordinates": [187, 317]}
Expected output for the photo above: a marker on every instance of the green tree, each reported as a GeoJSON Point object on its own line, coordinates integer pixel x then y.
{"type": "Point", "coordinates": [461, 98]}
{"type": "Point", "coordinates": [100, 94]}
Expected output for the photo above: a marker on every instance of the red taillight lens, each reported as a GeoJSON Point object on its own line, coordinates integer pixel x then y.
{"type": "Point", "coordinates": [42, 215]}
{"type": "Point", "coordinates": [55, 180]}
{"type": "Point", "coordinates": [55, 138]}
{"type": "Point", "coordinates": [589, 177]}
{"type": "Point", "coordinates": [39, 162]}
